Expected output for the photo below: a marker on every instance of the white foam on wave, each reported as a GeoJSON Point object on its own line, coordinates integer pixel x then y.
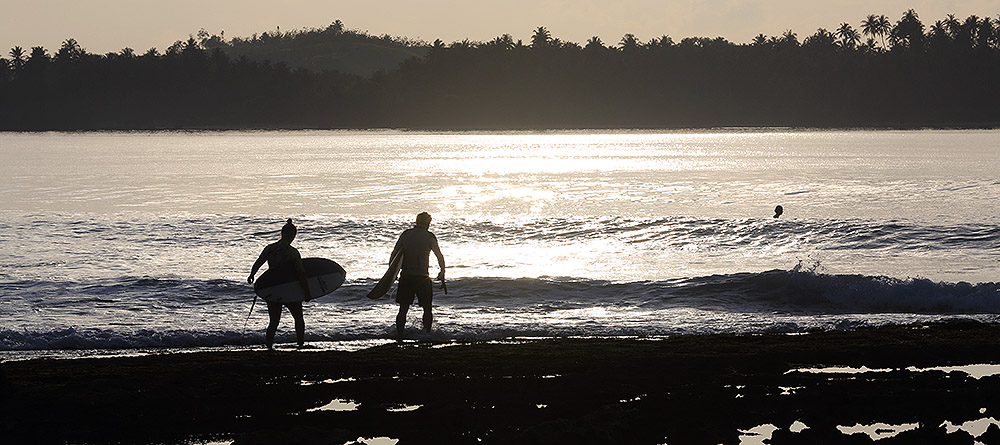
{"type": "Point", "coordinates": [187, 313]}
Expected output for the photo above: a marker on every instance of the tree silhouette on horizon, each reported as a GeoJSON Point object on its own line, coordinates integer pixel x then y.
{"type": "Point", "coordinates": [942, 75]}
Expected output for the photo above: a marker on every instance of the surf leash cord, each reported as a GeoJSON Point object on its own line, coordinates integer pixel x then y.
{"type": "Point", "coordinates": [251, 312]}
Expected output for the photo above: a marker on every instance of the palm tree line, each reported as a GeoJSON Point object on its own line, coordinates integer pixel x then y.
{"type": "Point", "coordinates": [869, 75]}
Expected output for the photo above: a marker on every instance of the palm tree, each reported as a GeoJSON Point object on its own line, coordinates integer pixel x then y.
{"type": "Point", "coordinates": [971, 31]}
{"type": "Point", "coordinates": [70, 51]}
{"type": "Point", "coordinates": [885, 25]}
{"type": "Point", "coordinates": [789, 38]}
{"type": "Point", "coordinates": [40, 54]}
{"type": "Point", "coordinates": [594, 44]}
{"type": "Point", "coordinates": [663, 41]}
{"type": "Point", "coordinates": [191, 46]}
{"type": "Point", "coordinates": [869, 26]}
{"type": "Point", "coordinates": [629, 42]}
{"type": "Point", "coordinates": [986, 36]}
{"type": "Point", "coordinates": [963, 34]}
{"type": "Point", "coordinates": [876, 26]}
{"type": "Point", "coordinates": [938, 30]}
{"type": "Point", "coordinates": [822, 38]}
{"type": "Point", "coordinates": [504, 42]}
{"type": "Point", "coordinates": [953, 26]}
{"type": "Point", "coordinates": [17, 58]}
{"type": "Point", "coordinates": [849, 36]}
{"type": "Point", "coordinates": [37, 61]}
{"type": "Point", "coordinates": [908, 32]}
{"type": "Point", "coordinates": [541, 38]}
{"type": "Point", "coordinates": [436, 50]}
{"type": "Point", "coordinates": [938, 36]}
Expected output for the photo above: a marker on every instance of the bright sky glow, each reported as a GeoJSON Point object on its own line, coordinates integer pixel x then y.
{"type": "Point", "coordinates": [109, 25]}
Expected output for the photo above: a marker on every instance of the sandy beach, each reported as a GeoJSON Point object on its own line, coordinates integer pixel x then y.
{"type": "Point", "coordinates": [686, 389]}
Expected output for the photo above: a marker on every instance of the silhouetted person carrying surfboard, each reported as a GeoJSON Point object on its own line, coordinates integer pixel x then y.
{"type": "Point", "coordinates": [416, 244]}
{"type": "Point", "coordinates": [283, 259]}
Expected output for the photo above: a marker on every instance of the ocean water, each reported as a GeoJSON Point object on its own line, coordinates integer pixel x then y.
{"type": "Point", "coordinates": [120, 243]}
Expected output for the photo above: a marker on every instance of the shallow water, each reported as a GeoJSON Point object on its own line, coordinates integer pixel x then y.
{"type": "Point", "coordinates": [125, 240]}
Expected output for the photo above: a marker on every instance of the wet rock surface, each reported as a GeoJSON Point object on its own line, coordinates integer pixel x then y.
{"type": "Point", "coordinates": [693, 389]}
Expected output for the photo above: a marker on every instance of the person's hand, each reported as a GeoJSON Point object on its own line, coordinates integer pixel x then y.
{"type": "Point", "coordinates": [440, 278]}
{"type": "Point", "coordinates": [250, 279]}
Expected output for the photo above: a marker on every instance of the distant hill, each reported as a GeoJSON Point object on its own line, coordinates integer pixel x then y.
{"type": "Point", "coordinates": [331, 49]}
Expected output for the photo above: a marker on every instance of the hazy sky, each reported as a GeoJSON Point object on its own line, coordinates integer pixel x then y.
{"type": "Point", "coordinates": [110, 25]}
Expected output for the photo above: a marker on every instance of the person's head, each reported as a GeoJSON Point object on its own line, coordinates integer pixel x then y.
{"type": "Point", "coordinates": [424, 219]}
{"type": "Point", "coordinates": [288, 231]}
{"type": "Point", "coordinates": [778, 210]}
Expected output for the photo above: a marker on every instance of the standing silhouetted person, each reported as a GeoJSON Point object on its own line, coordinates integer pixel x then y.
{"type": "Point", "coordinates": [285, 260]}
{"type": "Point", "coordinates": [778, 211]}
{"type": "Point", "coordinates": [416, 245]}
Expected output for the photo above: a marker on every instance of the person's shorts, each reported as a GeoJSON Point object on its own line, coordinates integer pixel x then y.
{"type": "Point", "coordinates": [411, 286]}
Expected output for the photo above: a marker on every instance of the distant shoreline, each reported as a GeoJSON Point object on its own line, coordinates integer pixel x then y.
{"type": "Point", "coordinates": [762, 128]}
{"type": "Point", "coordinates": [901, 75]}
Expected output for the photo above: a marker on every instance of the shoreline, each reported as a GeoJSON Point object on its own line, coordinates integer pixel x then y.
{"type": "Point", "coordinates": [684, 389]}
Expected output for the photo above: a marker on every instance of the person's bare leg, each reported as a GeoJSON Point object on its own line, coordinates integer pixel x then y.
{"type": "Point", "coordinates": [401, 319]}
{"type": "Point", "coordinates": [274, 314]}
{"type": "Point", "coordinates": [300, 323]}
{"type": "Point", "coordinates": [428, 318]}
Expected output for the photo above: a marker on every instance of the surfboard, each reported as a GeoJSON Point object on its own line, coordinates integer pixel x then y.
{"type": "Point", "coordinates": [383, 285]}
{"type": "Point", "coordinates": [322, 275]}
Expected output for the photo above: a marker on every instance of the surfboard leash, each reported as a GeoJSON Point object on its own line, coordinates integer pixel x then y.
{"type": "Point", "coordinates": [248, 315]}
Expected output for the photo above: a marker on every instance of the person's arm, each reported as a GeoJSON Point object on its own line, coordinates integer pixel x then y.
{"type": "Point", "coordinates": [396, 249]}
{"type": "Point", "coordinates": [439, 255]}
{"type": "Point", "coordinates": [256, 265]}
